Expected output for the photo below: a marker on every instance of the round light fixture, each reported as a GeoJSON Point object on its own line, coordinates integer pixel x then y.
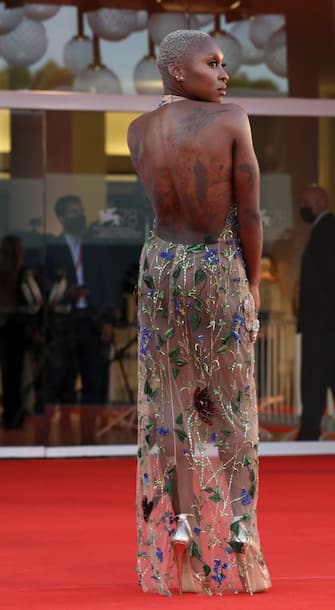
{"type": "Point", "coordinates": [25, 45]}
{"type": "Point", "coordinates": [40, 11]}
{"type": "Point", "coordinates": [251, 55]}
{"type": "Point", "coordinates": [9, 18]}
{"type": "Point", "coordinates": [276, 53]}
{"type": "Point", "coordinates": [161, 24]}
{"type": "Point", "coordinates": [112, 24]}
{"type": "Point", "coordinates": [262, 28]}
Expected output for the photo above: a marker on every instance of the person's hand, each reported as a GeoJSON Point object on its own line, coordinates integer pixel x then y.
{"type": "Point", "coordinates": [254, 289]}
{"type": "Point", "coordinates": [77, 292]}
{"type": "Point", "coordinates": [107, 332]}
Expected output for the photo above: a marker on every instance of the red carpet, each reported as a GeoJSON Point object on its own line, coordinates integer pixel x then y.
{"type": "Point", "coordinates": [67, 537]}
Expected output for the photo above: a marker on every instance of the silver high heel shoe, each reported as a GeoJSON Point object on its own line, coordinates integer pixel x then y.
{"type": "Point", "coordinates": [189, 580]}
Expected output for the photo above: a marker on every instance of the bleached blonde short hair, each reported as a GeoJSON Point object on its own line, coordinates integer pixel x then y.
{"type": "Point", "coordinates": [175, 47]}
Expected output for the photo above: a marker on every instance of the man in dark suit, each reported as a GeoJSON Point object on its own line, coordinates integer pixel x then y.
{"type": "Point", "coordinates": [81, 312]}
{"type": "Point", "coordinates": [316, 312]}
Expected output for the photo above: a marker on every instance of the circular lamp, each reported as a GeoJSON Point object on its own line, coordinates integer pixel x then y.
{"type": "Point", "coordinates": [251, 55]}
{"type": "Point", "coordinates": [147, 77]}
{"type": "Point", "coordinates": [262, 28]}
{"type": "Point", "coordinates": [25, 45]}
{"type": "Point", "coordinates": [200, 20]}
{"type": "Point", "coordinates": [40, 11]}
{"type": "Point", "coordinates": [276, 53]}
{"type": "Point", "coordinates": [141, 20]}
{"type": "Point", "coordinates": [96, 78]}
{"type": "Point", "coordinates": [229, 46]}
{"type": "Point", "coordinates": [161, 24]}
{"type": "Point", "coordinates": [78, 52]}
{"type": "Point", "coordinates": [9, 18]}
{"type": "Point", "coordinates": [112, 24]}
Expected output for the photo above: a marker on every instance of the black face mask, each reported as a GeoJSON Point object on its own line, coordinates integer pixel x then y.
{"type": "Point", "coordinates": [75, 225]}
{"type": "Point", "coordinates": [307, 214]}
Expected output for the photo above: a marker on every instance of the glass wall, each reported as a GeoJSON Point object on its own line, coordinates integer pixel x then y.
{"type": "Point", "coordinates": [73, 218]}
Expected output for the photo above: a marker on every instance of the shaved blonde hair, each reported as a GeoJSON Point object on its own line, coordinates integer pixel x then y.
{"type": "Point", "coordinates": [175, 47]}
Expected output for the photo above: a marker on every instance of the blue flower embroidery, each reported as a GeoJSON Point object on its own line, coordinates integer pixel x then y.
{"type": "Point", "coordinates": [218, 568]}
{"type": "Point", "coordinates": [168, 256]}
{"type": "Point", "coordinates": [145, 341]}
{"type": "Point", "coordinates": [159, 554]}
{"type": "Point", "coordinates": [211, 257]}
{"type": "Point", "coordinates": [146, 477]}
{"type": "Point", "coordinates": [163, 431]}
{"type": "Point", "coordinates": [245, 498]}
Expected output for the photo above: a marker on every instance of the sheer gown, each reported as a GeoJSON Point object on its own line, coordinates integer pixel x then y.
{"type": "Point", "coordinates": [197, 414]}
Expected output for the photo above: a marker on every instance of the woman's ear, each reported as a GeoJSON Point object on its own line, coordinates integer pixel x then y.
{"type": "Point", "coordinates": [175, 72]}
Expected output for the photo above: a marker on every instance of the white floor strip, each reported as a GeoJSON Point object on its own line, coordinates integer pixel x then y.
{"type": "Point", "coordinates": [279, 448]}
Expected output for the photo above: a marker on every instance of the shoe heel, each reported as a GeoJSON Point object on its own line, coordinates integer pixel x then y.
{"type": "Point", "coordinates": [180, 555]}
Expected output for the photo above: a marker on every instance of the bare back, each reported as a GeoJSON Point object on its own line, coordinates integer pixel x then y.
{"type": "Point", "coordinates": [183, 154]}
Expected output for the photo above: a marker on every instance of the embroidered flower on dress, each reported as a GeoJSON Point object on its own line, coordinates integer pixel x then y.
{"type": "Point", "coordinates": [168, 256]}
{"type": "Point", "coordinates": [211, 257]}
{"type": "Point", "coordinates": [145, 341]}
{"type": "Point", "coordinates": [218, 568]}
{"type": "Point", "coordinates": [204, 405]}
{"type": "Point", "coordinates": [159, 554]}
{"type": "Point", "coordinates": [245, 498]}
{"type": "Point", "coordinates": [163, 431]}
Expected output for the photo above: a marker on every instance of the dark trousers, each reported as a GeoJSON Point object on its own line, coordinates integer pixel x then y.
{"type": "Point", "coordinates": [317, 375]}
{"type": "Point", "coordinates": [75, 347]}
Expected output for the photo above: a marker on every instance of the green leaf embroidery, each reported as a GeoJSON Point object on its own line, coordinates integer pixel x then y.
{"type": "Point", "coordinates": [194, 550]}
{"type": "Point", "coordinates": [139, 452]}
{"type": "Point", "coordinates": [198, 305]}
{"type": "Point", "coordinates": [216, 496]}
{"type": "Point", "coordinates": [175, 372]}
{"type": "Point", "coordinates": [195, 320]}
{"type": "Point", "coordinates": [235, 528]}
{"type": "Point", "coordinates": [180, 362]}
{"type": "Point", "coordinates": [252, 476]}
{"type": "Point", "coordinates": [207, 569]}
{"type": "Point", "coordinates": [180, 433]}
{"type": "Point", "coordinates": [246, 460]}
{"type": "Point", "coordinates": [252, 490]}
{"type": "Point", "coordinates": [179, 419]}
{"type": "Point", "coordinates": [195, 249]}
{"type": "Point", "coordinates": [169, 484]}
{"type": "Point", "coordinates": [174, 353]}
{"type": "Point", "coordinates": [149, 281]}
{"type": "Point", "coordinates": [199, 276]}
{"type": "Point", "coordinates": [161, 340]}
{"type": "Point", "coordinates": [225, 345]}
{"type": "Point", "coordinates": [176, 272]}
{"type": "Point", "coordinates": [170, 333]}
{"type": "Point", "coordinates": [209, 490]}
{"type": "Point", "coordinates": [146, 264]}
{"type": "Point", "coordinates": [236, 546]}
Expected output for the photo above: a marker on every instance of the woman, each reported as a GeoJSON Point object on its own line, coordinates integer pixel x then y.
{"type": "Point", "coordinates": [198, 287]}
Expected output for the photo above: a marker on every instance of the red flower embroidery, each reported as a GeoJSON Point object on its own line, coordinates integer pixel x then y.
{"type": "Point", "coordinates": [204, 405]}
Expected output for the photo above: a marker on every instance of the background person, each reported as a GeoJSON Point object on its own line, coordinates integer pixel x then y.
{"type": "Point", "coordinates": [80, 320]}
{"type": "Point", "coordinates": [316, 319]}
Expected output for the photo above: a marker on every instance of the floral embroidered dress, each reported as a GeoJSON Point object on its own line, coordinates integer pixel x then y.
{"type": "Point", "coordinates": [197, 413]}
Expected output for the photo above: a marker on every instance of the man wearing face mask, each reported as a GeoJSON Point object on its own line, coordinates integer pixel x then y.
{"type": "Point", "coordinates": [316, 311]}
{"type": "Point", "coordinates": [81, 315]}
